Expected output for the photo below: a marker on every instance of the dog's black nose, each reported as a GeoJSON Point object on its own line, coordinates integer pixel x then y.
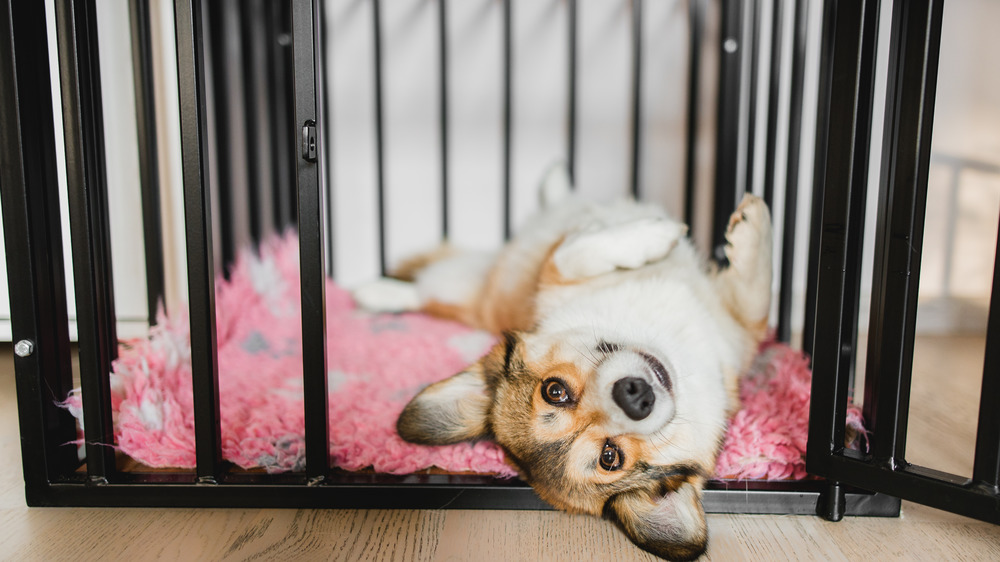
{"type": "Point", "coordinates": [634, 396]}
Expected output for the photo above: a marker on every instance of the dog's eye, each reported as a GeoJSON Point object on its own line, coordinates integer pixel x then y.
{"type": "Point", "coordinates": [611, 457]}
{"type": "Point", "coordinates": [554, 392]}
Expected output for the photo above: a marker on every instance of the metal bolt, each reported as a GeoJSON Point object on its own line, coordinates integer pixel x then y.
{"type": "Point", "coordinates": [730, 45]}
{"type": "Point", "coordinates": [24, 348]}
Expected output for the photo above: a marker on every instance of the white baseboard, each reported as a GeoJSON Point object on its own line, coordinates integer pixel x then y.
{"type": "Point", "coordinates": [127, 329]}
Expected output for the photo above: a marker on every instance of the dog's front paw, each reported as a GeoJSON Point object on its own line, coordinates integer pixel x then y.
{"type": "Point", "coordinates": [387, 295]}
{"type": "Point", "coordinates": [624, 246]}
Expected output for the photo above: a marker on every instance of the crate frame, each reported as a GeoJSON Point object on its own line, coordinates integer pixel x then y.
{"type": "Point", "coordinates": [55, 477]}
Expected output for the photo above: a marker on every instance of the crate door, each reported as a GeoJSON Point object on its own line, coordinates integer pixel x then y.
{"type": "Point", "coordinates": [848, 56]}
{"type": "Point", "coordinates": [251, 129]}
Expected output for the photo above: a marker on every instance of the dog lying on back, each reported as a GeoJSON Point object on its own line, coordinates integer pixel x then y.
{"type": "Point", "coordinates": [612, 382]}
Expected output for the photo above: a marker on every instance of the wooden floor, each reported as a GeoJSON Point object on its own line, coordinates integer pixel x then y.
{"type": "Point", "coordinates": [946, 392]}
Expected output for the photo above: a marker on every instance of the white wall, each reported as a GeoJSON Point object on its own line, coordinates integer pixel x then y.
{"type": "Point", "coordinates": [128, 259]}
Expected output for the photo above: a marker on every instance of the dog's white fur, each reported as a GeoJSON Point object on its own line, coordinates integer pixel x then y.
{"type": "Point", "coordinates": [624, 273]}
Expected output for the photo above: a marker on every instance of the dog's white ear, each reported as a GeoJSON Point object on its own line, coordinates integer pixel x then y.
{"type": "Point", "coordinates": [556, 186]}
{"type": "Point", "coordinates": [671, 526]}
{"type": "Point", "coordinates": [449, 411]}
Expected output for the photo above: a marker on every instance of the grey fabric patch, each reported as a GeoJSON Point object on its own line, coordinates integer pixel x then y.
{"type": "Point", "coordinates": [335, 379]}
{"type": "Point", "coordinates": [255, 343]}
{"type": "Point", "coordinates": [387, 324]}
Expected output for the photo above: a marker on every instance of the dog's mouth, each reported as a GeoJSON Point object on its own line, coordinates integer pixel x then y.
{"type": "Point", "coordinates": [659, 371]}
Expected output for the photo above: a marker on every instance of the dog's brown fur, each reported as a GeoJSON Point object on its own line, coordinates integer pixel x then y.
{"type": "Point", "coordinates": [653, 495]}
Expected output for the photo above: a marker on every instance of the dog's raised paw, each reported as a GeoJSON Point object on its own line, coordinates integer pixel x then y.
{"type": "Point", "coordinates": [749, 229]}
{"type": "Point", "coordinates": [387, 295]}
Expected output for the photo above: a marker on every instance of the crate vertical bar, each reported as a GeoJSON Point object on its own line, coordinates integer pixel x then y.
{"type": "Point", "coordinates": [800, 17]}
{"type": "Point", "coordinates": [33, 242]}
{"type": "Point", "coordinates": [379, 134]}
{"type": "Point", "coordinates": [507, 116]}
{"type": "Point", "coordinates": [864, 105]}
{"type": "Point", "coordinates": [149, 173]}
{"type": "Point", "coordinates": [278, 38]}
{"type": "Point", "coordinates": [443, 109]}
{"type": "Point", "coordinates": [909, 110]}
{"type": "Point", "coordinates": [326, 113]}
{"type": "Point", "coordinates": [636, 95]}
{"type": "Point", "coordinates": [325, 93]}
{"type": "Point", "coordinates": [250, 29]}
{"type": "Point", "coordinates": [773, 97]}
{"type": "Point", "coordinates": [234, 134]}
{"type": "Point", "coordinates": [770, 162]}
{"type": "Point", "coordinates": [311, 251]}
{"type": "Point", "coordinates": [79, 65]}
{"type": "Point", "coordinates": [253, 26]}
{"type": "Point", "coordinates": [753, 56]}
{"type": "Point", "coordinates": [727, 142]}
{"type": "Point", "coordinates": [696, 15]}
{"type": "Point", "coordinates": [198, 229]}
{"type": "Point", "coordinates": [571, 79]}
{"type": "Point", "coordinates": [824, 96]}
{"type": "Point", "coordinates": [842, 190]}
{"type": "Point", "coordinates": [220, 142]}
{"type": "Point", "coordinates": [986, 467]}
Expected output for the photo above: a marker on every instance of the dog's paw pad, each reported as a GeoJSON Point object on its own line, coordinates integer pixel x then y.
{"type": "Point", "coordinates": [752, 210]}
{"type": "Point", "coordinates": [387, 295]}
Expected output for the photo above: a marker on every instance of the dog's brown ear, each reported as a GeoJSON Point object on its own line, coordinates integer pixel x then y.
{"type": "Point", "coordinates": [671, 526]}
{"type": "Point", "coordinates": [449, 411]}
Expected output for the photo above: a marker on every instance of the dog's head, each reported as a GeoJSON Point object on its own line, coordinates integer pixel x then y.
{"type": "Point", "coordinates": [607, 427]}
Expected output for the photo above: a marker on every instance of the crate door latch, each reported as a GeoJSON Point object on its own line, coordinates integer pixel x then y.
{"type": "Point", "coordinates": [309, 141]}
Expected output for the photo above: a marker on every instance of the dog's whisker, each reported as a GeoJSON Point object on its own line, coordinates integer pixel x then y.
{"type": "Point", "coordinates": [586, 355]}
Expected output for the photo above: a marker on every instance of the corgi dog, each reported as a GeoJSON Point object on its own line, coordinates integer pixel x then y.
{"type": "Point", "coordinates": [616, 367]}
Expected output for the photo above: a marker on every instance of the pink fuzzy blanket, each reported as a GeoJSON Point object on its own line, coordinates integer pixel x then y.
{"type": "Point", "coordinates": [376, 363]}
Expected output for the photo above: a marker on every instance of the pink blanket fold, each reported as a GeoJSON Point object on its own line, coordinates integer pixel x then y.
{"type": "Point", "coordinates": [376, 363]}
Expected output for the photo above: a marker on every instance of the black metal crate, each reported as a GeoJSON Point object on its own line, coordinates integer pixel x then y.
{"type": "Point", "coordinates": [288, 76]}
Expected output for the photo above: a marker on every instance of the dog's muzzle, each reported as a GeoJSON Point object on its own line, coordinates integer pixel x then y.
{"type": "Point", "coordinates": [635, 390]}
